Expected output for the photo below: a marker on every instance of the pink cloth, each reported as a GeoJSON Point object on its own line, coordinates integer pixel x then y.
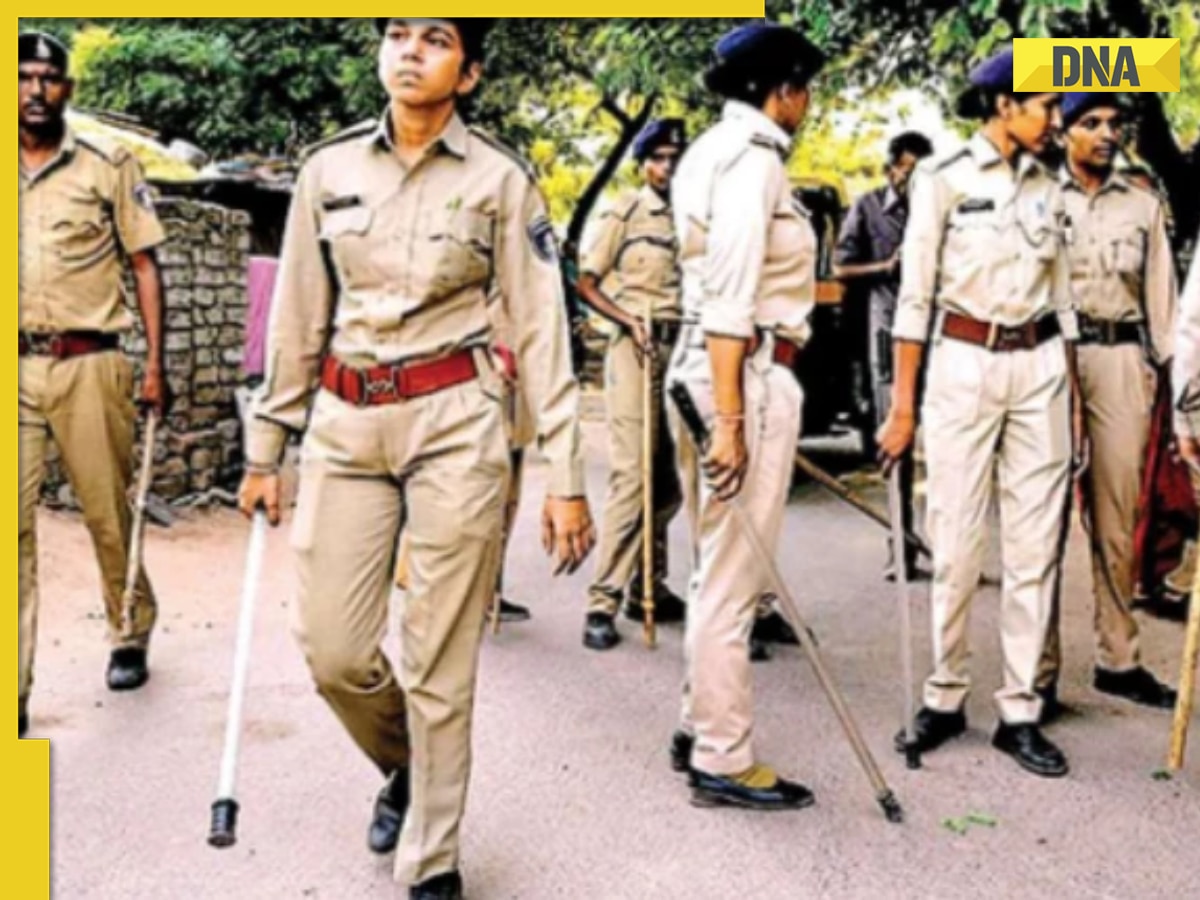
{"type": "Point", "coordinates": [260, 286]}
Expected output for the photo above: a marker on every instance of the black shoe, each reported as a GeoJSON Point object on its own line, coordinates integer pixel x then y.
{"type": "Point", "coordinates": [681, 752]}
{"type": "Point", "coordinates": [933, 729]}
{"type": "Point", "coordinates": [715, 790]}
{"type": "Point", "coordinates": [1052, 709]}
{"type": "Point", "coordinates": [127, 669]}
{"type": "Point", "coordinates": [388, 818]}
{"type": "Point", "coordinates": [1136, 685]}
{"type": "Point", "coordinates": [668, 608]}
{"type": "Point", "coordinates": [600, 633]}
{"type": "Point", "coordinates": [1029, 747]}
{"type": "Point", "coordinates": [440, 887]}
{"type": "Point", "coordinates": [774, 629]}
{"type": "Point", "coordinates": [511, 612]}
{"type": "Point", "coordinates": [22, 724]}
{"type": "Point", "coordinates": [760, 651]}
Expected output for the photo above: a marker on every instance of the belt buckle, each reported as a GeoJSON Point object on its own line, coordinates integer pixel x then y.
{"type": "Point", "coordinates": [376, 387]}
{"type": "Point", "coordinates": [45, 345]}
{"type": "Point", "coordinates": [993, 336]}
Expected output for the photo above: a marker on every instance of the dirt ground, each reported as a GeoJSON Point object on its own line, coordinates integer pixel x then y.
{"type": "Point", "coordinates": [571, 795]}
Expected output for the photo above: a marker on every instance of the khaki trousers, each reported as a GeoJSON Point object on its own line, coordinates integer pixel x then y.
{"type": "Point", "coordinates": [729, 580]}
{"type": "Point", "coordinates": [619, 554]}
{"type": "Point", "coordinates": [1118, 400]}
{"type": "Point", "coordinates": [86, 406]}
{"type": "Point", "coordinates": [439, 466]}
{"type": "Point", "coordinates": [1006, 415]}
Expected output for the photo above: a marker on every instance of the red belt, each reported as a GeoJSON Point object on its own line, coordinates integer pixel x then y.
{"type": "Point", "coordinates": [388, 384]}
{"type": "Point", "coordinates": [1000, 338]}
{"type": "Point", "coordinates": [786, 354]}
{"type": "Point", "coordinates": [65, 344]}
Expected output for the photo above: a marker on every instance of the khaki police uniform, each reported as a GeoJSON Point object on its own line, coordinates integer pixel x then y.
{"type": "Point", "coordinates": [748, 257]}
{"type": "Point", "coordinates": [79, 215]}
{"type": "Point", "coordinates": [385, 264]}
{"type": "Point", "coordinates": [985, 245]}
{"type": "Point", "coordinates": [630, 249]}
{"type": "Point", "coordinates": [1185, 372]}
{"type": "Point", "coordinates": [1123, 281]}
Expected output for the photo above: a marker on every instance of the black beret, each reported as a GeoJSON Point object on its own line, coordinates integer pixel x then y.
{"type": "Point", "coordinates": [761, 55]}
{"type": "Point", "coordinates": [659, 133]}
{"type": "Point", "coordinates": [472, 31]}
{"type": "Point", "coordinates": [37, 46]}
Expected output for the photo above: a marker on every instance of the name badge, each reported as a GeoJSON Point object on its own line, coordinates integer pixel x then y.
{"type": "Point", "coordinates": [978, 205]}
{"type": "Point", "coordinates": [335, 204]}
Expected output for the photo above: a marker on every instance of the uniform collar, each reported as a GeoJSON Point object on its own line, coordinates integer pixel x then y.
{"type": "Point", "coordinates": [986, 154]}
{"type": "Point", "coordinates": [453, 138]}
{"type": "Point", "coordinates": [1116, 181]}
{"type": "Point", "coordinates": [66, 150]}
{"type": "Point", "coordinates": [654, 203]}
{"type": "Point", "coordinates": [762, 124]}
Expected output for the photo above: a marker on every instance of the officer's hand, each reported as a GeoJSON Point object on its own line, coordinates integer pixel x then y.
{"type": "Point", "coordinates": [567, 532]}
{"type": "Point", "coordinates": [260, 491]}
{"type": "Point", "coordinates": [1189, 451]}
{"type": "Point", "coordinates": [726, 462]}
{"type": "Point", "coordinates": [155, 393]}
{"type": "Point", "coordinates": [642, 339]}
{"type": "Point", "coordinates": [895, 438]}
{"type": "Point", "coordinates": [1081, 448]}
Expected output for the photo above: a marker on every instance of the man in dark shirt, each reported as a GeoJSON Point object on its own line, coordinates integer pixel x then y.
{"type": "Point", "coordinates": [868, 256]}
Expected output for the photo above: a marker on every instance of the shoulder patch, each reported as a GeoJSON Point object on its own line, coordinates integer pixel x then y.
{"type": "Point", "coordinates": [362, 129]}
{"type": "Point", "coordinates": [112, 152]}
{"type": "Point", "coordinates": [542, 240]}
{"type": "Point", "coordinates": [500, 147]}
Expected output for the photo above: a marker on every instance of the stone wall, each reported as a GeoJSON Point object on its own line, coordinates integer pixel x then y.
{"type": "Point", "coordinates": [204, 277]}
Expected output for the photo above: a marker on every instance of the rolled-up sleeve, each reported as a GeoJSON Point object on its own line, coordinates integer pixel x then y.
{"type": "Point", "coordinates": [1161, 289]}
{"type": "Point", "coordinates": [297, 334]}
{"type": "Point", "coordinates": [601, 244]}
{"type": "Point", "coordinates": [744, 197]}
{"type": "Point", "coordinates": [1185, 373]}
{"type": "Point", "coordinates": [530, 286]}
{"type": "Point", "coordinates": [921, 257]}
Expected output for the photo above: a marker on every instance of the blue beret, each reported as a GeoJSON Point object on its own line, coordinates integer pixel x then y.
{"type": "Point", "coordinates": [995, 73]}
{"type": "Point", "coordinates": [37, 46]}
{"type": "Point", "coordinates": [1077, 104]}
{"type": "Point", "coordinates": [763, 54]}
{"type": "Point", "coordinates": [660, 133]}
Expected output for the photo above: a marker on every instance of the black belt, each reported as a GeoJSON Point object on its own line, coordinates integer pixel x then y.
{"type": "Point", "coordinates": [665, 331]}
{"type": "Point", "coordinates": [1108, 333]}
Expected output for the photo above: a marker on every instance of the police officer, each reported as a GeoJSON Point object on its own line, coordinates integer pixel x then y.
{"type": "Point", "coordinates": [401, 232]}
{"type": "Point", "coordinates": [748, 255]}
{"type": "Point", "coordinates": [628, 264]}
{"type": "Point", "coordinates": [84, 204]}
{"type": "Point", "coordinates": [1123, 281]}
{"type": "Point", "coordinates": [868, 254]}
{"type": "Point", "coordinates": [985, 285]}
{"type": "Point", "coordinates": [1185, 374]}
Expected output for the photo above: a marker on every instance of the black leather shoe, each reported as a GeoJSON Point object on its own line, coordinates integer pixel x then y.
{"type": "Point", "coordinates": [774, 629]}
{"type": "Point", "coordinates": [668, 608]}
{"type": "Point", "coordinates": [511, 612]}
{"type": "Point", "coordinates": [681, 752]}
{"type": "Point", "coordinates": [22, 724]}
{"type": "Point", "coordinates": [440, 887]}
{"type": "Point", "coordinates": [933, 729]}
{"type": "Point", "coordinates": [760, 651]}
{"type": "Point", "coordinates": [127, 669]}
{"type": "Point", "coordinates": [388, 818]}
{"type": "Point", "coordinates": [1029, 747]}
{"type": "Point", "coordinates": [715, 790]}
{"type": "Point", "coordinates": [1136, 685]}
{"type": "Point", "coordinates": [600, 633]}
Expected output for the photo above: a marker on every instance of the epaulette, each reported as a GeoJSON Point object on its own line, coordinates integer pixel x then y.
{"type": "Point", "coordinates": [362, 129]}
{"type": "Point", "coordinates": [625, 205]}
{"type": "Point", "coordinates": [937, 163]}
{"type": "Point", "coordinates": [761, 140]}
{"type": "Point", "coordinates": [500, 147]}
{"type": "Point", "coordinates": [112, 152]}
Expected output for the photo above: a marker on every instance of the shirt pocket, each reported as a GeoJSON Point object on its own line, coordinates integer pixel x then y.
{"type": "Point", "coordinates": [80, 232]}
{"type": "Point", "coordinates": [456, 252]}
{"type": "Point", "coordinates": [347, 234]}
{"type": "Point", "coordinates": [648, 261]}
{"type": "Point", "coordinates": [1125, 253]}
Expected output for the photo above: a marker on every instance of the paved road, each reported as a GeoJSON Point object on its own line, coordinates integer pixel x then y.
{"type": "Point", "coordinates": [572, 796]}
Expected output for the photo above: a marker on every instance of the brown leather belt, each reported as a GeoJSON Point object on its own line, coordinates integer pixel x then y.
{"type": "Point", "coordinates": [389, 384]}
{"type": "Point", "coordinates": [1108, 333]}
{"type": "Point", "coordinates": [786, 354]}
{"type": "Point", "coordinates": [66, 344]}
{"type": "Point", "coordinates": [1000, 338]}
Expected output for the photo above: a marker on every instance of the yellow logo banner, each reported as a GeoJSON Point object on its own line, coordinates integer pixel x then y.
{"type": "Point", "coordinates": [1140, 65]}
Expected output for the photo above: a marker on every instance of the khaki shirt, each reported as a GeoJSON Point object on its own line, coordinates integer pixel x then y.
{"type": "Point", "coordinates": [984, 241]}
{"type": "Point", "coordinates": [630, 248]}
{"type": "Point", "coordinates": [747, 248]}
{"type": "Point", "coordinates": [79, 215]}
{"type": "Point", "coordinates": [1185, 375]}
{"type": "Point", "coordinates": [1121, 264]}
{"type": "Point", "coordinates": [383, 264]}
